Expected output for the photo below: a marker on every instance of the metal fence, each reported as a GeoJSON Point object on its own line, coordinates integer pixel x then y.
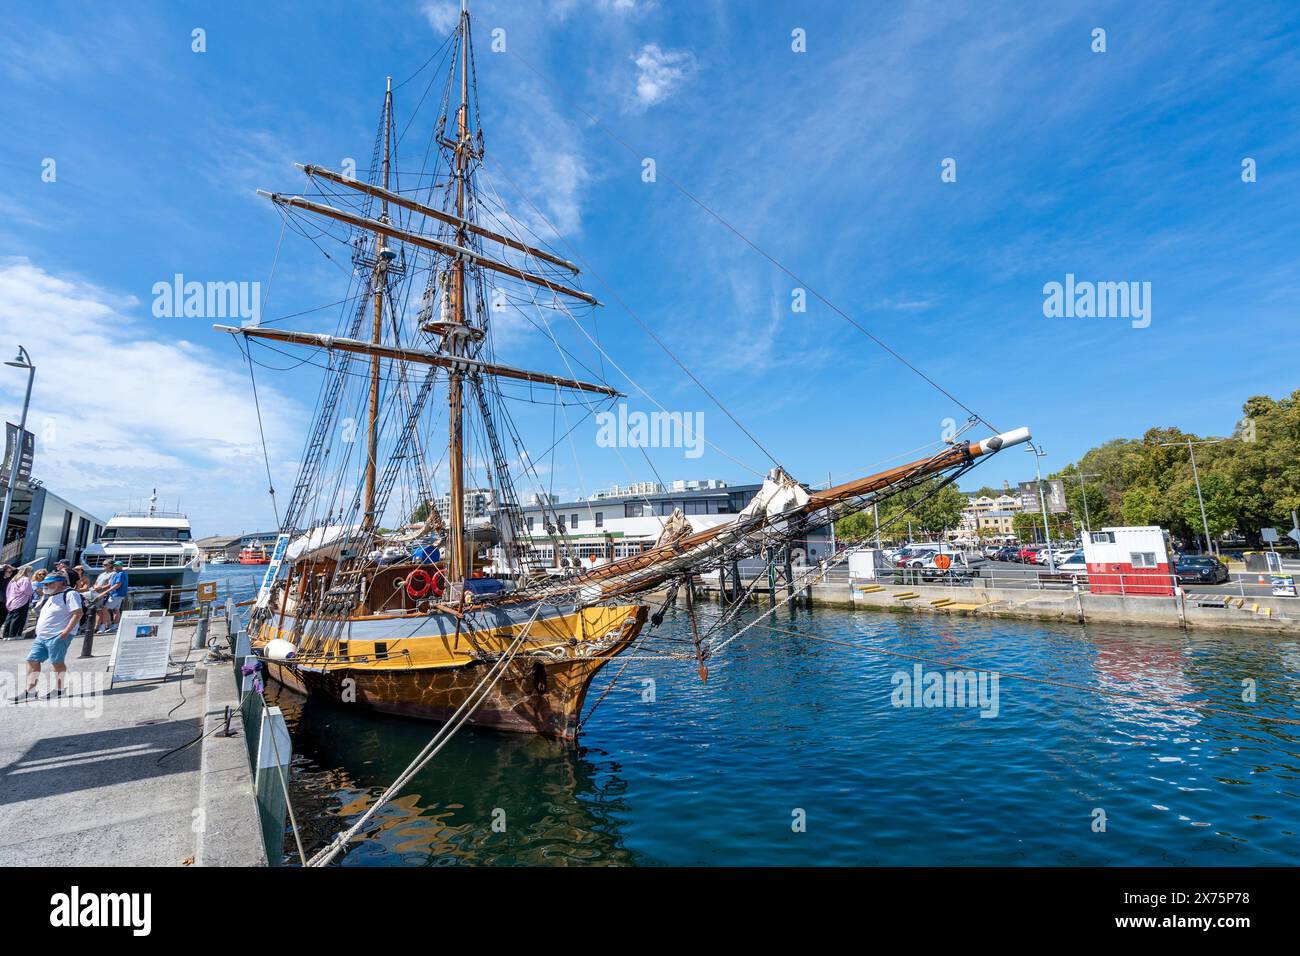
{"type": "Point", "coordinates": [987, 575]}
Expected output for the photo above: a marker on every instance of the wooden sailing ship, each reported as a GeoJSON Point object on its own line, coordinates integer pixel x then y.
{"type": "Point", "coordinates": [409, 621]}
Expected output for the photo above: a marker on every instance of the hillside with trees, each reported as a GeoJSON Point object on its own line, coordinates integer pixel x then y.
{"type": "Point", "coordinates": [1249, 480]}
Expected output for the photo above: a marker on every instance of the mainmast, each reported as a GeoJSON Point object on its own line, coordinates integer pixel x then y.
{"type": "Point", "coordinates": [456, 569]}
{"type": "Point", "coordinates": [382, 256]}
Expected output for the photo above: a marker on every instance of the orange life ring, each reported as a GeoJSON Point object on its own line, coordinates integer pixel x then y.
{"type": "Point", "coordinates": [942, 562]}
{"type": "Point", "coordinates": [418, 583]}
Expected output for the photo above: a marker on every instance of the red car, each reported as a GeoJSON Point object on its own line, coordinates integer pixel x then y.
{"type": "Point", "coordinates": [1027, 554]}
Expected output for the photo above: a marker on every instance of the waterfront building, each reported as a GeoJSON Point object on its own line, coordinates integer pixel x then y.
{"type": "Point", "coordinates": [44, 527]}
{"type": "Point", "coordinates": [222, 546]}
{"type": "Point", "coordinates": [608, 526]}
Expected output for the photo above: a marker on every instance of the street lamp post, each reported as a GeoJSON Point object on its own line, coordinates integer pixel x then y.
{"type": "Point", "coordinates": [1038, 453]}
{"type": "Point", "coordinates": [1196, 478]}
{"type": "Point", "coordinates": [21, 360]}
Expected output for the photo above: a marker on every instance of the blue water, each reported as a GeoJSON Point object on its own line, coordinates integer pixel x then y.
{"type": "Point", "coordinates": [239, 581]}
{"type": "Point", "coordinates": [717, 773]}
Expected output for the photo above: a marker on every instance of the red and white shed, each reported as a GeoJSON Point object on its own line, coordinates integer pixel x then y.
{"type": "Point", "coordinates": [1129, 561]}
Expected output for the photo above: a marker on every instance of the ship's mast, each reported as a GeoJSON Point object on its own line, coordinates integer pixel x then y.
{"type": "Point", "coordinates": [456, 352]}
{"type": "Point", "coordinates": [456, 569]}
{"type": "Point", "coordinates": [379, 279]}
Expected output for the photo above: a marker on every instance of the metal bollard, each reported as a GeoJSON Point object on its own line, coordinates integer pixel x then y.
{"type": "Point", "coordinates": [201, 631]}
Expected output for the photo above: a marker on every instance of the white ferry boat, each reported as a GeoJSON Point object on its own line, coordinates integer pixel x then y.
{"type": "Point", "coordinates": [155, 547]}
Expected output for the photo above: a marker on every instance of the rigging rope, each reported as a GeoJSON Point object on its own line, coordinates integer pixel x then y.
{"type": "Point", "coordinates": [438, 741]}
{"type": "Point", "coordinates": [266, 458]}
{"type": "Point", "coordinates": [596, 121]}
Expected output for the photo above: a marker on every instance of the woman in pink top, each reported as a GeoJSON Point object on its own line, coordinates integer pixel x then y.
{"type": "Point", "coordinates": [18, 598]}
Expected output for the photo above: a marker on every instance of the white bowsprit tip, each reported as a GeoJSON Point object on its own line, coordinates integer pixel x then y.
{"type": "Point", "coordinates": [1016, 436]}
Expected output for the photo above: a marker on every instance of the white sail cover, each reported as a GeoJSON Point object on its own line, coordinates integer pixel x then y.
{"type": "Point", "coordinates": [326, 542]}
{"type": "Point", "coordinates": [779, 494]}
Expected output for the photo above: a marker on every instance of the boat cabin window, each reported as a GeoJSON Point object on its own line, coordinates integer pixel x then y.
{"type": "Point", "coordinates": [381, 650]}
{"type": "Point", "coordinates": [1142, 559]}
{"type": "Point", "coordinates": [146, 534]}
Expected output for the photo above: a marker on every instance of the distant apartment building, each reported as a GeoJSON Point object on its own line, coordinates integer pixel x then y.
{"type": "Point", "coordinates": [478, 503]}
{"type": "Point", "coordinates": [637, 488]}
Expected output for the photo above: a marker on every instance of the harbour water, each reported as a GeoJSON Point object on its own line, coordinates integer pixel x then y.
{"type": "Point", "coordinates": [1110, 746]}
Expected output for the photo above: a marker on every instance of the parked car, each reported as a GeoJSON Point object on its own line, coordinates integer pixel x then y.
{"type": "Point", "coordinates": [1200, 569]}
{"type": "Point", "coordinates": [917, 556]}
{"type": "Point", "coordinates": [960, 565]}
{"type": "Point", "coordinates": [1073, 565]}
{"type": "Point", "coordinates": [1026, 554]}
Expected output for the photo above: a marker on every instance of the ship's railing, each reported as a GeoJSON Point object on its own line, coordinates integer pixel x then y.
{"type": "Point", "coordinates": [141, 562]}
{"type": "Point", "coordinates": [150, 514]}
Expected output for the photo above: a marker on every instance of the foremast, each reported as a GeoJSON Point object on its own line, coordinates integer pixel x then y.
{"type": "Point", "coordinates": [380, 282]}
{"type": "Point", "coordinates": [465, 263]}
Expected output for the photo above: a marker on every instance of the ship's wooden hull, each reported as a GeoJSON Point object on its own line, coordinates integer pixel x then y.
{"type": "Point", "coordinates": [429, 675]}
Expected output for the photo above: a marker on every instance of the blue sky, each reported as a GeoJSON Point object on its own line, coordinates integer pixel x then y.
{"type": "Point", "coordinates": [1115, 166]}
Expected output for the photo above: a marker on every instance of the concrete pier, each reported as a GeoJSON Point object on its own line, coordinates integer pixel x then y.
{"type": "Point", "coordinates": [1223, 610]}
{"type": "Point", "coordinates": [139, 775]}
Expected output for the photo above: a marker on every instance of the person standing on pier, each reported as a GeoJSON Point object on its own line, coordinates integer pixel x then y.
{"type": "Point", "coordinates": [65, 568]}
{"type": "Point", "coordinates": [110, 590]}
{"type": "Point", "coordinates": [60, 614]}
{"type": "Point", "coordinates": [18, 598]}
{"type": "Point", "coordinates": [7, 573]}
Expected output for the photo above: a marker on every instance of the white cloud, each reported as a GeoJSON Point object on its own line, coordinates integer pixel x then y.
{"type": "Point", "coordinates": [441, 14]}
{"type": "Point", "coordinates": [562, 9]}
{"type": "Point", "coordinates": [253, 159]}
{"type": "Point", "coordinates": [121, 405]}
{"type": "Point", "coordinates": [660, 72]}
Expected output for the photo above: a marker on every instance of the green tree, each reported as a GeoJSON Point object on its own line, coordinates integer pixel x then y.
{"type": "Point", "coordinates": [930, 509]}
{"type": "Point", "coordinates": [1028, 526]}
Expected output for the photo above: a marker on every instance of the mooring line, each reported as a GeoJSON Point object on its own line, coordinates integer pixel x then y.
{"type": "Point", "coordinates": [439, 740]}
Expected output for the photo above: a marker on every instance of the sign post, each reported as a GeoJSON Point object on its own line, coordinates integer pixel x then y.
{"type": "Point", "coordinates": [142, 647]}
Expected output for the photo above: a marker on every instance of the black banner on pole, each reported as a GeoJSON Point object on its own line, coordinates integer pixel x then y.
{"type": "Point", "coordinates": [24, 462]}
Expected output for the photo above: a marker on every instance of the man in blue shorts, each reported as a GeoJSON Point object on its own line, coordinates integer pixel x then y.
{"type": "Point", "coordinates": [57, 623]}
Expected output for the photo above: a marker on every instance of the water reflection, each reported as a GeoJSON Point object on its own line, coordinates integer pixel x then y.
{"type": "Point", "coordinates": [1148, 724]}
{"type": "Point", "coordinates": [486, 798]}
